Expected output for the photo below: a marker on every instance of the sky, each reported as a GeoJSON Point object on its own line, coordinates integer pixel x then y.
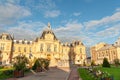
{"type": "Point", "coordinates": [89, 21]}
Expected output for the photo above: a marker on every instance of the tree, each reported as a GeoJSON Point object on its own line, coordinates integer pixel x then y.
{"type": "Point", "coordinates": [105, 63]}
{"type": "Point", "coordinates": [116, 62]}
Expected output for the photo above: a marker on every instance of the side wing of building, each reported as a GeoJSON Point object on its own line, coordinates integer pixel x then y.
{"type": "Point", "coordinates": [103, 50]}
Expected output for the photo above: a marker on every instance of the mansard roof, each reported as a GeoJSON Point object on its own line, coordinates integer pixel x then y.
{"type": "Point", "coordinates": [48, 31]}
{"type": "Point", "coordinates": [8, 36]}
{"type": "Point", "coordinates": [75, 43]}
{"type": "Point", "coordinates": [106, 47]}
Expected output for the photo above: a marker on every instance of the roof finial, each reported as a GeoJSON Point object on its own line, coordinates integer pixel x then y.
{"type": "Point", "coordinates": [49, 26]}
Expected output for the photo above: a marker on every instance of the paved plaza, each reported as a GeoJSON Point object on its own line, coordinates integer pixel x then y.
{"type": "Point", "coordinates": [52, 74]}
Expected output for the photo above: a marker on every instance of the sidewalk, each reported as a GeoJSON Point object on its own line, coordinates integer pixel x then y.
{"type": "Point", "coordinates": [74, 74]}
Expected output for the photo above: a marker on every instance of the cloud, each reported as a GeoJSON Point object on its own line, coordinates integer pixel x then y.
{"type": "Point", "coordinates": [13, 1]}
{"type": "Point", "coordinates": [52, 14]}
{"type": "Point", "coordinates": [27, 30]}
{"type": "Point", "coordinates": [41, 4]}
{"type": "Point", "coordinates": [76, 14]}
{"type": "Point", "coordinates": [10, 13]}
{"type": "Point", "coordinates": [106, 28]}
{"type": "Point", "coordinates": [46, 7]}
{"type": "Point", "coordinates": [69, 32]}
{"type": "Point", "coordinates": [118, 9]}
{"type": "Point", "coordinates": [111, 31]}
{"type": "Point", "coordinates": [105, 20]}
{"type": "Point", "coordinates": [70, 26]}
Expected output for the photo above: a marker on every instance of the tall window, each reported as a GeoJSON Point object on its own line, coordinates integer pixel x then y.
{"type": "Point", "coordinates": [41, 47]}
{"type": "Point", "coordinates": [30, 49]}
{"type": "Point", "coordinates": [80, 50]}
{"type": "Point", "coordinates": [19, 49]}
{"type": "Point", "coordinates": [24, 49]}
{"type": "Point", "coordinates": [62, 50]}
{"type": "Point", "coordinates": [48, 48]}
{"type": "Point", "coordinates": [55, 48]}
{"type": "Point", "coordinates": [2, 46]}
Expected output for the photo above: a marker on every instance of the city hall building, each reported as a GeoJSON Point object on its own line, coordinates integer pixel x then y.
{"type": "Point", "coordinates": [45, 46]}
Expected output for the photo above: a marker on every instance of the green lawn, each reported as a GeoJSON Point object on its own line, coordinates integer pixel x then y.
{"type": "Point", "coordinates": [85, 75]}
{"type": "Point", "coordinates": [115, 71]}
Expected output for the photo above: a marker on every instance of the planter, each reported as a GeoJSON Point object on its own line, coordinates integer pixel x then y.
{"type": "Point", "coordinates": [18, 74]}
{"type": "Point", "coordinates": [38, 69]}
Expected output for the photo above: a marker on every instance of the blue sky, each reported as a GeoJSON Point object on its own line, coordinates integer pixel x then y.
{"type": "Point", "coordinates": [90, 21]}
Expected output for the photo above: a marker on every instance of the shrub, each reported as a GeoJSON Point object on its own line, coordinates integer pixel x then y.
{"type": "Point", "coordinates": [20, 62]}
{"type": "Point", "coordinates": [8, 72]}
{"type": "Point", "coordinates": [36, 64]}
{"type": "Point", "coordinates": [46, 64]}
{"type": "Point", "coordinates": [116, 62]}
{"type": "Point", "coordinates": [105, 63]}
{"type": "Point", "coordinates": [41, 63]}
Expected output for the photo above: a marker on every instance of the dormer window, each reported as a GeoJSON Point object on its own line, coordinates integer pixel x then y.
{"type": "Point", "coordinates": [20, 41]}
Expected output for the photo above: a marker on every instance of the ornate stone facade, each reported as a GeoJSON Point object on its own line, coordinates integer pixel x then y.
{"type": "Point", "coordinates": [45, 46]}
{"type": "Point", "coordinates": [104, 50]}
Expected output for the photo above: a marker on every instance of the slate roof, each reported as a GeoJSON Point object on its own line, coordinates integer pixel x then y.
{"type": "Point", "coordinates": [8, 36]}
{"type": "Point", "coordinates": [48, 31]}
{"type": "Point", "coordinates": [106, 47]}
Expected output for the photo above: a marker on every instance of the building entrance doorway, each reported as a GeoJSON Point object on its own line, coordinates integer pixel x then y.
{"type": "Point", "coordinates": [48, 56]}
